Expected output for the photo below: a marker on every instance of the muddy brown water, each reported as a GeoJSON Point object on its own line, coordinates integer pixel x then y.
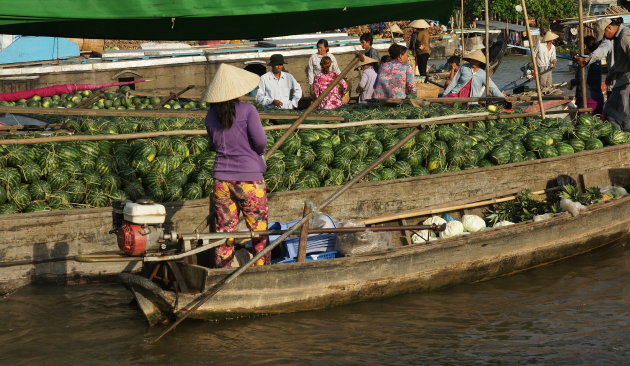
{"type": "Point", "coordinates": [575, 312]}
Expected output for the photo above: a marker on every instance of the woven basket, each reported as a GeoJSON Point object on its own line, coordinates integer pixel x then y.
{"type": "Point", "coordinates": [89, 45]}
{"type": "Point", "coordinates": [426, 90]}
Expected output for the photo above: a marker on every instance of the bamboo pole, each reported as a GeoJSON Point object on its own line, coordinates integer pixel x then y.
{"type": "Point", "coordinates": [487, 48]}
{"type": "Point", "coordinates": [201, 299]}
{"type": "Point", "coordinates": [179, 113]}
{"type": "Point", "coordinates": [358, 57]}
{"type": "Point", "coordinates": [581, 40]}
{"type": "Point", "coordinates": [415, 213]}
{"type": "Point", "coordinates": [461, 17]}
{"type": "Point", "coordinates": [301, 253]}
{"type": "Point", "coordinates": [531, 48]}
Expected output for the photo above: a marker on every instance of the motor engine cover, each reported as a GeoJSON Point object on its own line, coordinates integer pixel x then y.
{"type": "Point", "coordinates": [131, 239]}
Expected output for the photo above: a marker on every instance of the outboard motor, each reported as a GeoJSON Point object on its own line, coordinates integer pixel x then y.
{"type": "Point", "coordinates": [139, 226]}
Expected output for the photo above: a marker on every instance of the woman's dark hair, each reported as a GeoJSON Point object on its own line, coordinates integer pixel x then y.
{"type": "Point", "coordinates": [453, 60]}
{"type": "Point", "coordinates": [367, 37]}
{"type": "Point", "coordinates": [324, 42]}
{"type": "Point", "coordinates": [396, 50]}
{"type": "Point", "coordinates": [590, 42]}
{"type": "Point", "coordinates": [325, 58]}
{"type": "Point", "coordinates": [225, 112]}
{"type": "Point", "coordinates": [385, 59]}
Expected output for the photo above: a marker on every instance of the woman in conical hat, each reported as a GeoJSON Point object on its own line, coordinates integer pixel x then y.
{"type": "Point", "coordinates": [546, 59]}
{"type": "Point", "coordinates": [470, 79]}
{"type": "Point", "coordinates": [419, 44]}
{"type": "Point", "coordinates": [236, 134]}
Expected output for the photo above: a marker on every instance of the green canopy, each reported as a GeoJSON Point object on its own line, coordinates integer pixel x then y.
{"type": "Point", "coordinates": [204, 19]}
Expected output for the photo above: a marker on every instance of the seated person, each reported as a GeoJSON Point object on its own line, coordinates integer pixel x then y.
{"type": "Point", "coordinates": [368, 78]}
{"type": "Point", "coordinates": [278, 89]}
{"type": "Point", "coordinates": [470, 79]}
{"type": "Point", "coordinates": [395, 78]}
{"type": "Point", "coordinates": [453, 67]}
{"type": "Point", "coordinates": [322, 80]}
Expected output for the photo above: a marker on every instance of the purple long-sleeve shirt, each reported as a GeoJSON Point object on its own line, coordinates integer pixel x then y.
{"type": "Point", "coordinates": [239, 147]}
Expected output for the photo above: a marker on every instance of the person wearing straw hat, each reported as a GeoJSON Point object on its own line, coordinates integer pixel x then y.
{"type": "Point", "coordinates": [419, 44]}
{"type": "Point", "coordinates": [546, 59]}
{"type": "Point", "coordinates": [278, 89]}
{"type": "Point", "coordinates": [617, 107]}
{"type": "Point", "coordinates": [236, 132]}
{"type": "Point", "coordinates": [470, 79]}
{"type": "Point", "coordinates": [368, 79]}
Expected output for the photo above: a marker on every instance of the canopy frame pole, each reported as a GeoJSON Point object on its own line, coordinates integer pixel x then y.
{"type": "Point", "coordinates": [531, 49]}
{"type": "Point", "coordinates": [487, 48]}
{"type": "Point", "coordinates": [357, 58]}
{"type": "Point", "coordinates": [581, 40]}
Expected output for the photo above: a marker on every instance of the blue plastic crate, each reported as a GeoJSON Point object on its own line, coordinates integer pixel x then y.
{"type": "Point", "coordinates": [315, 242]}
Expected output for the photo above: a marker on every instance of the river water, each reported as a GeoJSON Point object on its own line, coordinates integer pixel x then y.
{"type": "Point", "coordinates": [575, 312]}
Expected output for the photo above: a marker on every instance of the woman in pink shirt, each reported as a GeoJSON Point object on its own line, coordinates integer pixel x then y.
{"type": "Point", "coordinates": [334, 99]}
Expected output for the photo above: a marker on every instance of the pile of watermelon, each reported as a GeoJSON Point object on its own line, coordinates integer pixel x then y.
{"type": "Point", "coordinates": [91, 174]}
{"type": "Point", "coordinates": [122, 98]}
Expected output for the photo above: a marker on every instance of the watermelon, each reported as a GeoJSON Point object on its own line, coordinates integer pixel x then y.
{"type": "Point", "coordinates": [564, 148]}
{"type": "Point", "coordinates": [320, 168]}
{"type": "Point", "coordinates": [57, 199]}
{"type": "Point", "coordinates": [31, 172]}
{"type": "Point", "coordinates": [39, 190]}
{"type": "Point", "coordinates": [500, 155]}
{"type": "Point", "coordinates": [110, 182]}
{"type": "Point", "coordinates": [362, 149]}
{"type": "Point", "coordinates": [616, 137]}
{"type": "Point", "coordinates": [135, 190]}
{"type": "Point", "coordinates": [446, 133]}
{"type": "Point", "coordinates": [325, 154]}
{"type": "Point", "coordinates": [346, 150]}
{"type": "Point", "coordinates": [402, 169]}
{"type": "Point", "coordinates": [8, 208]}
{"type": "Point", "coordinates": [292, 144]}
{"type": "Point", "coordinates": [435, 161]}
{"type": "Point", "coordinates": [341, 162]}
{"type": "Point", "coordinates": [308, 179]}
{"type": "Point", "coordinates": [586, 120]}
{"type": "Point", "coordinates": [535, 140]}
{"type": "Point", "coordinates": [293, 163]}
{"type": "Point", "coordinates": [192, 191]}
{"type": "Point", "coordinates": [530, 155]}
{"type": "Point", "coordinates": [9, 177]}
{"type": "Point", "coordinates": [388, 174]}
{"type": "Point", "coordinates": [375, 149]}
{"type": "Point", "coordinates": [584, 133]}
{"type": "Point", "coordinates": [97, 198]}
{"type": "Point", "coordinates": [335, 178]}
{"type": "Point", "coordinates": [548, 152]}
{"type": "Point", "coordinates": [308, 136]}
{"type": "Point", "coordinates": [19, 195]}
{"type": "Point", "coordinates": [419, 170]}
{"type": "Point", "coordinates": [576, 144]}
{"type": "Point", "coordinates": [37, 206]}
{"type": "Point", "coordinates": [592, 144]}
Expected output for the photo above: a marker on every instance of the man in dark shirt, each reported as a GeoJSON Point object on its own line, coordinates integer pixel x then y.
{"type": "Point", "coordinates": [366, 42]}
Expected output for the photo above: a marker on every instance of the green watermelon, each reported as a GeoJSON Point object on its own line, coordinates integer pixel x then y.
{"type": "Point", "coordinates": [564, 148]}
{"type": "Point", "coordinates": [500, 155]}
{"type": "Point", "coordinates": [592, 144]}
{"type": "Point", "coordinates": [548, 152]}
{"type": "Point", "coordinates": [577, 144]}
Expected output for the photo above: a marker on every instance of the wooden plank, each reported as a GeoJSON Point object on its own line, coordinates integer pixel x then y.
{"type": "Point", "coordinates": [179, 113]}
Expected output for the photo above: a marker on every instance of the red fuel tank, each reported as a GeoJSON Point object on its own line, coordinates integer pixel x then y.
{"type": "Point", "coordinates": [131, 240]}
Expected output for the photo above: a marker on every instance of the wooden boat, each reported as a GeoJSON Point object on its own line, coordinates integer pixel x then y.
{"type": "Point", "coordinates": [291, 287]}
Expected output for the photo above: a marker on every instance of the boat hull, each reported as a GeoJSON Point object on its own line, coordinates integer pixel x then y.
{"type": "Point", "coordinates": [293, 287]}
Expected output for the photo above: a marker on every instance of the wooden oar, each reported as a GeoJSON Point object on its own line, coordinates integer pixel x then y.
{"type": "Point", "coordinates": [534, 62]}
{"type": "Point", "coordinates": [358, 57]}
{"type": "Point", "coordinates": [201, 299]}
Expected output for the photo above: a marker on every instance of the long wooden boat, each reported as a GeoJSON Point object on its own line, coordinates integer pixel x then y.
{"type": "Point", "coordinates": [40, 246]}
{"type": "Point", "coordinates": [292, 287]}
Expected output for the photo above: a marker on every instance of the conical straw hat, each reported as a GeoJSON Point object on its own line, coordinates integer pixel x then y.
{"type": "Point", "coordinates": [229, 83]}
{"type": "Point", "coordinates": [368, 60]}
{"type": "Point", "coordinates": [550, 36]}
{"type": "Point", "coordinates": [476, 55]}
{"type": "Point", "coordinates": [395, 29]}
{"type": "Point", "coordinates": [419, 23]}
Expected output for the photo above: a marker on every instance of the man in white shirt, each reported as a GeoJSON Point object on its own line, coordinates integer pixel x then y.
{"type": "Point", "coordinates": [278, 89]}
{"type": "Point", "coordinates": [546, 59]}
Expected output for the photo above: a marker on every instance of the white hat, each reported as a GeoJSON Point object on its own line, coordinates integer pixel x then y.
{"type": "Point", "coordinates": [368, 60]}
{"type": "Point", "coordinates": [476, 55]}
{"type": "Point", "coordinates": [549, 36]}
{"type": "Point", "coordinates": [229, 82]}
{"type": "Point", "coordinates": [395, 29]}
{"type": "Point", "coordinates": [419, 23]}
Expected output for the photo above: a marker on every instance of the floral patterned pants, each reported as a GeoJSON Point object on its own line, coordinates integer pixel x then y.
{"type": "Point", "coordinates": [230, 198]}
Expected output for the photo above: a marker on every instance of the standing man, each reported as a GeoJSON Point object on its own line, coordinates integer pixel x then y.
{"type": "Point", "coordinates": [366, 43]}
{"type": "Point", "coordinates": [419, 44]}
{"type": "Point", "coordinates": [278, 89]}
{"type": "Point", "coordinates": [546, 59]}
{"type": "Point", "coordinates": [617, 108]}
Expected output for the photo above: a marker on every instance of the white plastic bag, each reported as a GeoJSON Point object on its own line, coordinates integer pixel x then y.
{"type": "Point", "coordinates": [437, 220]}
{"type": "Point", "coordinates": [543, 217]}
{"type": "Point", "coordinates": [453, 228]}
{"type": "Point", "coordinates": [473, 223]}
{"type": "Point", "coordinates": [574, 208]}
{"type": "Point", "coordinates": [503, 223]}
{"type": "Point", "coordinates": [422, 236]}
